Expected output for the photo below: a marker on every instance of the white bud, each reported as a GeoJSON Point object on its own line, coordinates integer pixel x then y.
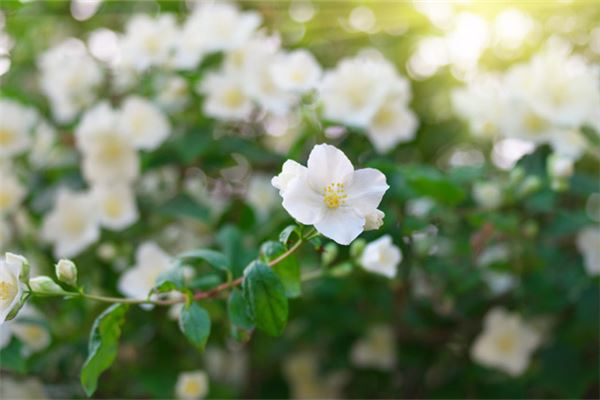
{"type": "Point", "coordinates": [66, 272]}
{"type": "Point", "coordinates": [45, 285]}
{"type": "Point", "coordinates": [374, 220]}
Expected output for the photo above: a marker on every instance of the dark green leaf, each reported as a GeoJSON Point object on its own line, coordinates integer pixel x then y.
{"type": "Point", "coordinates": [11, 357]}
{"type": "Point", "coordinates": [287, 269]}
{"type": "Point", "coordinates": [265, 295]}
{"type": "Point", "coordinates": [103, 345]}
{"type": "Point", "coordinates": [238, 310]}
{"type": "Point", "coordinates": [194, 322]}
{"type": "Point", "coordinates": [214, 258]}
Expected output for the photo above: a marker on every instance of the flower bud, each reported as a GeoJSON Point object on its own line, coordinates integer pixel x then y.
{"type": "Point", "coordinates": [45, 285]}
{"type": "Point", "coordinates": [330, 252]}
{"type": "Point", "coordinates": [487, 195]}
{"type": "Point", "coordinates": [530, 185]}
{"type": "Point", "coordinates": [357, 248]}
{"type": "Point", "coordinates": [374, 220]}
{"type": "Point", "coordinates": [66, 272]}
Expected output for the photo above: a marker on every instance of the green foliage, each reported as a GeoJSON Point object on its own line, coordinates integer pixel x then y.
{"type": "Point", "coordinates": [238, 310]}
{"type": "Point", "coordinates": [103, 345]}
{"type": "Point", "coordinates": [266, 298]}
{"type": "Point", "coordinates": [287, 269]}
{"type": "Point", "coordinates": [194, 322]}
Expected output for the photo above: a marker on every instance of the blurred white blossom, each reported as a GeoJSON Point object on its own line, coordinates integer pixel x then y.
{"type": "Point", "coordinates": [192, 385]}
{"type": "Point", "coordinates": [381, 257]}
{"type": "Point", "coordinates": [588, 243]}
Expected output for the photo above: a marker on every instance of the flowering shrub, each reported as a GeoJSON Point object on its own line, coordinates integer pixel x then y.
{"type": "Point", "coordinates": [235, 202]}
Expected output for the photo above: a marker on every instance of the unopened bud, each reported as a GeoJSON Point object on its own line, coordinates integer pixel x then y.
{"type": "Point", "coordinates": [66, 272]}
{"type": "Point", "coordinates": [45, 285]}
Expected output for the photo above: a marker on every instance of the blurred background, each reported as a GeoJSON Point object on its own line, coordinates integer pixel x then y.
{"type": "Point", "coordinates": [351, 334]}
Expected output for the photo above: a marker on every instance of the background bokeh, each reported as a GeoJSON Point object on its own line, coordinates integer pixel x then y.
{"type": "Point", "coordinates": [207, 186]}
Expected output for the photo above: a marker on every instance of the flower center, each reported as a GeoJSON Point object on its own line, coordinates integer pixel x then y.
{"type": "Point", "coordinates": [191, 387]}
{"type": "Point", "coordinates": [6, 137]}
{"type": "Point", "coordinates": [8, 291]}
{"type": "Point", "coordinates": [335, 195]}
{"type": "Point", "coordinates": [233, 98]}
{"type": "Point", "coordinates": [506, 343]}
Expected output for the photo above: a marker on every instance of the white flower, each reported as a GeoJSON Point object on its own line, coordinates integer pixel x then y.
{"type": "Point", "coordinates": [506, 342]}
{"type": "Point", "coordinates": [108, 154]}
{"type": "Point", "coordinates": [296, 71]}
{"type": "Point", "coordinates": [570, 143]}
{"type": "Point", "coordinates": [29, 328]}
{"type": "Point", "coordinates": [222, 27]}
{"type": "Point", "coordinates": [12, 192]}
{"type": "Point", "coordinates": [376, 350]}
{"type": "Point", "coordinates": [192, 385]}
{"type": "Point", "coordinates": [331, 195]}
{"type": "Point", "coordinates": [225, 96]}
{"type": "Point", "coordinates": [481, 104]}
{"type": "Point", "coordinates": [143, 123]}
{"type": "Point", "coordinates": [392, 123]}
{"type": "Point", "coordinates": [72, 225]}
{"type": "Point", "coordinates": [562, 88]}
{"type": "Point", "coordinates": [374, 220]}
{"type": "Point", "coordinates": [588, 243]}
{"type": "Point", "coordinates": [381, 257]}
{"type": "Point", "coordinates": [11, 286]}
{"type": "Point", "coordinates": [487, 195]}
{"type": "Point", "coordinates": [30, 388]}
{"type": "Point", "coordinates": [16, 123]}
{"type": "Point", "coordinates": [150, 262]}
{"type": "Point", "coordinates": [353, 92]}
{"type": "Point", "coordinates": [149, 41]}
{"type": "Point", "coordinates": [69, 76]}
{"type": "Point", "coordinates": [289, 171]}
{"type": "Point", "coordinates": [172, 93]}
{"type": "Point", "coordinates": [116, 205]}
{"type": "Point", "coordinates": [66, 271]}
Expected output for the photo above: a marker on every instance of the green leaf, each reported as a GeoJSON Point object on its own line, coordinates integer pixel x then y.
{"type": "Point", "coordinates": [194, 322]}
{"type": "Point", "coordinates": [103, 345]}
{"type": "Point", "coordinates": [214, 258]}
{"type": "Point", "coordinates": [265, 295]}
{"type": "Point", "coordinates": [184, 206]}
{"type": "Point", "coordinates": [171, 279]}
{"type": "Point", "coordinates": [285, 234]}
{"type": "Point", "coordinates": [237, 307]}
{"type": "Point", "coordinates": [287, 269]}
{"type": "Point", "coordinates": [11, 357]}
{"type": "Point", "coordinates": [231, 240]}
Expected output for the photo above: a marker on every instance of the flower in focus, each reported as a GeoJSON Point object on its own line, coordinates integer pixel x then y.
{"type": "Point", "coordinates": [11, 286]}
{"type": "Point", "coordinates": [16, 123]}
{"type": "Point", "coordinates": [150, 262]}
{"type": "Point", "coordinates": [108, 153]}
{"type": "Point", "coordinates": [506, 342]}
{"type": "Point", "coordinates": [72, 225]}
{"type": "Point", "coordinates": [66, 272]}
{"type": "Point", "coordinates": [116, 205]}
{"type": "Point", "coordinates": [330, 194]}
{"type": "Point", "coordinates": [374, 220]}
{"type": "Point", "coordinates": [192, 385]}
{"type": "Point", "coordinates": [588, 243]}
{"type": "Point", "coordinates": [381, 257]}
{"type": "Point", "coordinates": [69, 76]}
{"type": "Point", "coordinates": [296, 71]}
{"type": "Point", "coordinates": [143, 122]}
{"type": "Point", "coordinates": [376, 350]}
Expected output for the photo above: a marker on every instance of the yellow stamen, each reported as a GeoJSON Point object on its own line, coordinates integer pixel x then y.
{"type": "Point", "coordinates": [8, 291]}
{"type": "Point", "coordinates": [335, 195]}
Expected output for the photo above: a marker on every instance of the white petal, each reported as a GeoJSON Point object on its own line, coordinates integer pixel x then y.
{"type": "Point", "coordinates": [302, 202]}
{"type": "Point", "coordinates": [343, 225]}
{"type": "Point", "coordinates": [366, 191]}
{"type": "Point", "coordinates": [328, 164]}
